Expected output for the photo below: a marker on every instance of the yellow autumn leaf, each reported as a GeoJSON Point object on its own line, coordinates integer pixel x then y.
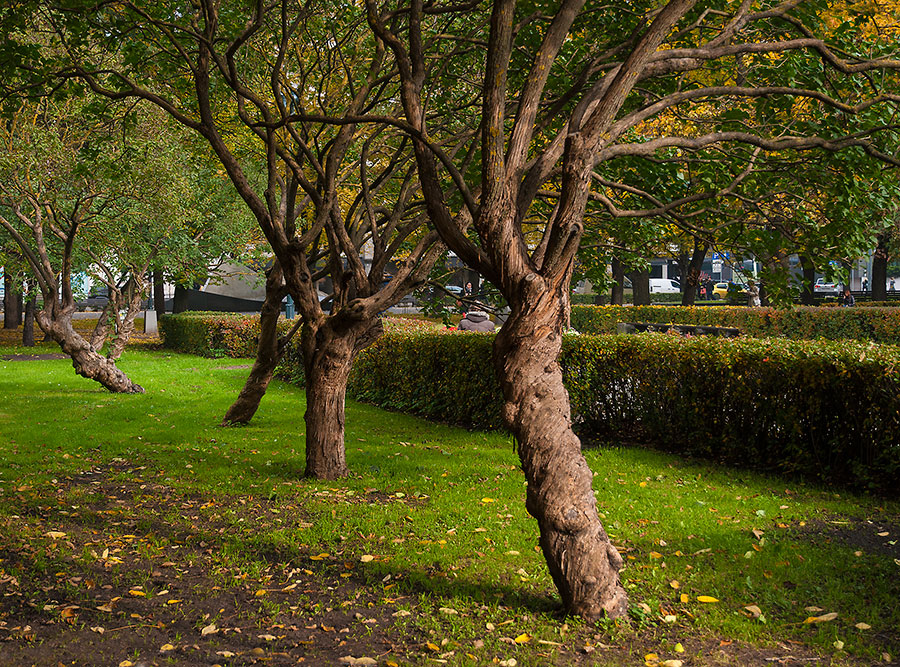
{"type": "Point", "coordinates": [173, 601]}
{"type": "Point", "coordinates": [137, 594]}
{"type": "Point", "coordinates": [432, 647]}
{"type": "Point", "coordinates": [321, 556]}
{"type": "Point", "coordinates": [524, 638]}
{"type": "Point", "coordinates": [55, 534]}
{"type": "Point", "coordinates": [165, 648]}
{"type": "Point", "coordinates": [367, 558]}
{"type": "Point", "coordinates": [706, 598]}
{"type": "Point", "coordinates": [679, 648]}
{"type": "Point", "coordinates": [655, 554]}
{"type": "Point", "coordinates": [824, 618]}
{"type": "Point", "coordinates": [487, 500]}
{"type": "Point", "coordinates": [863, 626]}
{"type": "Point", "coordinates": [684, 598]}
{"type": "Point", "coordinates": [260, 592]}
{"type": "Point", "coordinates": [675, 584]}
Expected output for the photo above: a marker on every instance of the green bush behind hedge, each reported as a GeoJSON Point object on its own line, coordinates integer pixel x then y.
{"type": "Point", "coordinates": [877, 324]}
{"type": "Point", "coordinates": [822, 410]}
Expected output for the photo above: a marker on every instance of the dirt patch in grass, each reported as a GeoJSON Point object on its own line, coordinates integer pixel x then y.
{"type": "Point", "coordinates": [115, 566]}
{"type": "Point", "coordinates": [868, 535]}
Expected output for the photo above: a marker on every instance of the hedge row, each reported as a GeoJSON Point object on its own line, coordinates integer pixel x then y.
{"type": "Point", "coordinates": [821, 410]}
{"type": "Point", "coordinates": [824, 411]}
{"type": "Point", "coordinates": [877, 324]}
{"type": "Point", "coordinates": [212, 334]}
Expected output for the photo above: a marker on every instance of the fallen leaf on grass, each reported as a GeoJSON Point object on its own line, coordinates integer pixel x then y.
{"type": "Point", "coordinates": [357, 662]}
{"type": "Point", "coordinates": [824, 618]}
{"type": "Point", "coordinates": [431, 646]}
{"type": "Point", "coordinates": [98, 629]}
{"type": "Point", "coordinates": [863, 626]}
{"type": "Point", "coordinates": [137, 594]}
{"type": "Point", "coordinates": [321, 556]}
{"type": "Point", "coordinates": [755, 611]}
{"type": "Point", "coordinates": [838, 645]}
{"type": "Point", "coordinates": [675, 584]}
{"type": "Point", "coordinates": [165, 648]}
{"type": "Point", "coordinates": [706, 598]}
{"type": "Point", "coordinates": [524, 638]}
{"type": "Point", "coordinates": [401, 613]}
{"type": "Point", "coordinates": [55, 535]}
{"type": "Point", "coordinates": [684, 598]}
{"type": "Point", "coordinates": [367, 558]}
{"type": "Point", "coordinates": [447, 610]}
{"type": "Point", "coordinates": [210, 629]}
{"type": "Point", "coordinates": [655, 554]}
{"type": "Point", "coordinates": [173, 601]}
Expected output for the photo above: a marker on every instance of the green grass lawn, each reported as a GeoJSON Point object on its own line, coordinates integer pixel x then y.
{"type": "Point", "coordinates": [425, 554]}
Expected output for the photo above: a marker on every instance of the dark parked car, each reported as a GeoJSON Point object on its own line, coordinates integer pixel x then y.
{"type": "Point", "coordinates": [93, 301]}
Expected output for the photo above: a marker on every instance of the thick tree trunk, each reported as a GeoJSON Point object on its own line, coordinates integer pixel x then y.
{"type": "Point", "coordinates": [582, 560]}
{"type": "Point", "coordinates": [879, 269]}
{"type": "Point", "coordinates": [691, 273]}
{"type": "Point", "coordinates": [159, 294]}
{"type": "Point", "coordinates": [640, 286]}
{"type": "Point", "coordinates": [807, 295]}
{"type": "Point", "coordinates": [328, 354]}
{"type": "Point", "coordinates": [86, 361]}
{"type": "Point", "coordinates": [617, 297]}
{"type": "Point", "coordinates": [269, 351]}
{"type": "Point", "coordinates": [11, 315]}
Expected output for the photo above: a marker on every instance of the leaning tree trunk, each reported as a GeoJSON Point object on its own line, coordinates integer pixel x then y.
{"type": "Point", "coordinates": [87, 362]}
{"type": "Point", "coordinates": [269, 351]}
{"type": "Point", "coordinates": [879, 269]}
{"type": "Point", "coordinates": [582, 560]}
{"type": "Point", "coordinates": [328, 354]}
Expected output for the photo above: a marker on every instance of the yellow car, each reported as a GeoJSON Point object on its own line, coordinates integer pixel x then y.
{"type": "Point", "coordinates": [720, 290]}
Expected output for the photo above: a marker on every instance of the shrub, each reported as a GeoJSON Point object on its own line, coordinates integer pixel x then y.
{"type": "Point", "coordinates": [822, 410]}
{"type": "Point", "coordinates": [877, 324]}
{"type": "Point", "coordinates": [791, 407]}
{"type": "Point", "coordinates": [211, 334]}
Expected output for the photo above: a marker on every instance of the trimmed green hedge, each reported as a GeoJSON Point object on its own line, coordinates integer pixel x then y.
{"type": "Point", "coordinates": [881, 325]}
{"type": "Point", "coordinates": [821, 410]}
{"type": "Point", "coordinates": [212, 334]}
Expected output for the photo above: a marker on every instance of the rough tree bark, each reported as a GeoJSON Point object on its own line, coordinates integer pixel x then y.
{"type": "Point", "coordinates": [328, 353]}
{"type": "Point", "coordinates": [270, 349]}
{"type": "Point", "coordinates": [582, 561]}
{"type": "Point", "coordinates": [101, 329]}
{"type": "Point", "coordinates": [87, 362]}
{"type": "Point", "coordinates": [134, 294]}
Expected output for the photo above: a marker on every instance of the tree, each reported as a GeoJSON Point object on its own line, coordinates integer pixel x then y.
{"type": "Point", "coordinates": [88, 188]}
{"type": "Point", "coordinates": [277, 91]}
{"type": "Point", "coordinates": [556, 110]}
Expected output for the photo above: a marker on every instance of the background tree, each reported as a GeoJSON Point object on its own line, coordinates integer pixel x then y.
{"type": "Point", "coordinates": [290, 82]}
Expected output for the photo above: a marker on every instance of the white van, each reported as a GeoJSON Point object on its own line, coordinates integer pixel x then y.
{"type": "Point", "coordinates": [664, 286]}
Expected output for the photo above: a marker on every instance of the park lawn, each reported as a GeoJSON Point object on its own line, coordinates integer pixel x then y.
{"type": "Point", "coordinates": [136, 530]}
